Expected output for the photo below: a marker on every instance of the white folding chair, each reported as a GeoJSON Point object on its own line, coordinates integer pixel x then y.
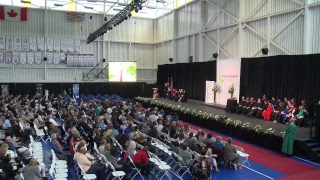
{"type": "Point", "coordinates": [86, 176]}
{"type": "Point", "coordinates": [134, 168]}
{"type": "Point", "coordinates": [116, 174]}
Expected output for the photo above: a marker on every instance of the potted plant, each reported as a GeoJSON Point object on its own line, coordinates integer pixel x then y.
{"type": "Point", "coordinates": [215, 90]}
{"type": "Point", "coordinates": [231, 90]}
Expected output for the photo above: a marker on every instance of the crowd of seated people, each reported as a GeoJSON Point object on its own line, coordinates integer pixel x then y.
{"type": "Point", "coordinates": [275, 110]}
{"type": "Point", "coordinates": [74, 128]}
{"type": "Point", "coordinates": [176, 95]}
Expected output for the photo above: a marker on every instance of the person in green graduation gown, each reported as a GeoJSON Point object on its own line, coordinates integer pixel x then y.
{"type": "Point", "coordinates": [64, 94]}
{"type": "Point", "coordinates": [287, 145]}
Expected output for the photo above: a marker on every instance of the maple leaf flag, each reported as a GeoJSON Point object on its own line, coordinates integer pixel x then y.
{"type": "Point", "coordinates": [13, 13]}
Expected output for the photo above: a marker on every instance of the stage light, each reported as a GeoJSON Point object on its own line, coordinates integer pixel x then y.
{"type": "Point", "coordinates": [105, 18]}
{"type": "Point", "coordinates": [264, 51]}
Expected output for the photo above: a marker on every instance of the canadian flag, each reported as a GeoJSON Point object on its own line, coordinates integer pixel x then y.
{"type": "Point", "coordinates": [13, 13]}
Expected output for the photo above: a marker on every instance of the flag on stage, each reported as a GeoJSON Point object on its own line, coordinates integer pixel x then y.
{"type": "Point", "coordinates": [13, 13]}
{"type": "Point", "coordinates": [171, 85]}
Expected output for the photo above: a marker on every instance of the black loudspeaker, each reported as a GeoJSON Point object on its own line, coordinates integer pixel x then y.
{"type": "Point", "coordinates": [103, 60]}
{"type": "Point", "coordinates": [190, 59]}
{"type": "Point", "coordinates": [45, 59]}
{"type": "Point", "coordinates": [215, 55]}
{"type": "Point", "coordinates": [170, 59]}
{"type": "Point", "coordinates": [264, 51]}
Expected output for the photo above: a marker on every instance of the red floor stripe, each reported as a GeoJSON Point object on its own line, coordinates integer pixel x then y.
{"type": "Point", "coordinates": [267, 158]}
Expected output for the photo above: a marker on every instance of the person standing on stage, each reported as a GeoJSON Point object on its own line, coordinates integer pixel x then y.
{"type": "Point", "coordinates": [287, 145]}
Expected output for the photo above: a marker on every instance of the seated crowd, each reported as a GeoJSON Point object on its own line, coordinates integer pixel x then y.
{"type": "Point", "coordinates": [276, 110]}
{"type": "Point", "coordinates": [103, 134]}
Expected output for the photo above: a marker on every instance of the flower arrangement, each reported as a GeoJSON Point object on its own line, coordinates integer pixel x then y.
{"type": "Point", "coordinates": [217, 117]}
{"type": "Point", "coordinates": [237, 123]}
{"type": "Point", "coordinates": [258, 129]}
{"type": "Point", "coordinates": [194, 113]}
{"type": "Point", "coordinates": [247, 126]}
{"type": "Point", "coordinates": [270, 131]}
{"type": "Point", "coordinates": [205, 115]}
{"type": "Point", "coordinates": [231, 90]}
{"type": "Point", "coordinates": [210, 116]}
{"type": "Point", "coordinates": [187, 111]}
{"type": "Point", "coordinates": [229, 121]}
{"type": "Point", "coordinates": [215, 88]}
{"type": "Point", "coordinates": [199, 114]}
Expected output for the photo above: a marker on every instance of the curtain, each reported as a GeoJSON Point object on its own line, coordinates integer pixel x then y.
{"type": "Point", "coordinates": [189, 76]}
{"type": "Point", "coordinates": [292, 76]}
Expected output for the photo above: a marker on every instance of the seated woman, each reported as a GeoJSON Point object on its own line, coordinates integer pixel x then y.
{"type": "Point", "coordinates": [301, 117]}
{"type": "Point", "coordinates": [207, 152]}
{"type": "Point", "coordinates": [181, 138]}
{"type": "Point", "coordinates": [31, 171]}
{"type": "Point", "coordinates": [26, 158]}
{"type": "Point", "coordinates": [266, 114]}
{"type": "Point", "coordinates": [131, 147]}
{"type": "Point", "coordinates": [278, 110]}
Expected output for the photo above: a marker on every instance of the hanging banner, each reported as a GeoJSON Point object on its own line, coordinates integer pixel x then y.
{"type": "Point", "coordinates": [2, 42]}
{"type": "Point", "coordinates": [49, 57]}
{"type": "Point", "coordinates": [90, 60]}
{"type": "Point", "coordinates": [5, 91]}
{"type": "Point", "coordinates": [8, 57]}
{"type": "Point", "coordinates": [56, 58]}
{"type": "Point", "coordinates": [76, 60]}
{"type": "Point", "coordinates": [84, 62]}
{"type": "Point", "coordinates": [30, 58]}
{"type": "Point", "coordinates": [33, 43]}
{"type": "Point", "coordinates": [37, 57]}
{"type": "Point", "coordinates": [56, 45]}
{"type": "Point", "coordinates": [15, 58]}
{"type": "Point", "coordinates": [64, 45]}
{"type": "Point", "coordinates": [70, 60]}
{"type": "Point", "coordinates": [70, 45]}
{"type": "Point", "coordinates": [49, 44]}
{"type": "Point", "coordinates": [9, 43]}
{"type": "Point", "coordinates": [40, 42]}
{"type": "Point", "coordinates": [23, 58]}
{"type": "Point", "coordinates": [1, 57]}
{"type": "Point", "coordinates": [39, 90]}
{"type": "Point", "coordinates": [76, 90]}
{"type": "Point", "coordinates": [25, 44]}
{"type": "Point", "coordinates": [77, 45]}
{"type": "Point", "coordinates": [17, 43]}
{"type": "Point", "coordinates": [63, 58]}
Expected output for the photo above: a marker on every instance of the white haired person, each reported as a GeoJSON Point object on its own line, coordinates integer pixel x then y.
{"type": "Point", "coordinates": [231, 154]}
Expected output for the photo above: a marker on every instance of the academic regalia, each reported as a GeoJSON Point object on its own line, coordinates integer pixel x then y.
{"type": "Point", "coordinates": [287, 145]}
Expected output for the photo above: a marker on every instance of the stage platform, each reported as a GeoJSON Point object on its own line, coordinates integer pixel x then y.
{"type": "Point", "coordinates": [302, 133]}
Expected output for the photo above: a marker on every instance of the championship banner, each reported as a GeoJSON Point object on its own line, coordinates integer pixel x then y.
{"type": "Point", "coordinates": [70, 60]}
{"type": "Point", "coordinates": [49, 44]}
{"type": "Point", "coordinates": [70, 45]}
{"type": "Point", "coordinates": [38, 90]}
{"type": "Point", "coordinates": [76, 90]}
{"type": "Point", "coordinates": [76, 60]}
{"type": "Point", "coordinates": [9, 43]}
{"type": "Point", "coordinates": [23, 58]}
{"type": "Point", "coordinates": [25, 44]}
{"type": "Point", "coordinates": [64, 45]}
{"type": "Point", "coordinates": [56, 46]}
{"type": "Point", "coordinates": [1, 57]}
{"type": "Point", "coordinates": [63, 58]}
{"type": "Point", "coordinates": [8, 57]}
{"type": "Point", "coordinates": [90, 60]}
{"type": "Point", "coordinates": [33, 43]}
{"type": "Point", "coordinates": [5, 91]}
{"type": "Point", "coordinates": [228, 74]}
{"type": "Point", "coordinates": [2, 42]}
{"type": "Point", "coordinates": [83, 59]}
{"type": "Point", "coordinates": [49, 57]}
{"type": "Point", "coordinates": [30, 58]}
{"type": "Point", "coordinates": [56, 58]}
{"type": "Point", "coordinates": [17, 43]}
{"type": "Point", "coordinates": [37, 57]}
{"type": "Point", "coordinates": [15, 58]}
{"type": "Point", "coordinates": [77, 45]}
{"type": "Point", "coordinates": [40, 42]}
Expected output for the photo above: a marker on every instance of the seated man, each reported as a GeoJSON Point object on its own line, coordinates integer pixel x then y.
{"type": "Point", "coordinates": [256, 109]}
{"type": "Point", "coordinates": [185, 155]}
{"type": "Point", "coordinates": [301, 117]}
{"type": "Point", "coordinates": [218, 143]}
{"type": "Point", "coordinates": [241, 105]}
{"type": "Point", "coordinates": [230, 152]}
{"type": "Point", "coordinates": [90, 167]}
{"type": "Point", "coordinates": [140, 160]}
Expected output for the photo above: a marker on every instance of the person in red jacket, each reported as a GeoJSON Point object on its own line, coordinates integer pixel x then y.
{"type": "Point", "coordinates": [266, 114]}
{"type": "Point", "coordinates": [140, 159]}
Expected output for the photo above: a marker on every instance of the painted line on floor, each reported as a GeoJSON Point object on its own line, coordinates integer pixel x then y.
{"type": "Point", "coordinates": [307, 161]}
{"type": "Point", "coordinates": [257, 172]}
